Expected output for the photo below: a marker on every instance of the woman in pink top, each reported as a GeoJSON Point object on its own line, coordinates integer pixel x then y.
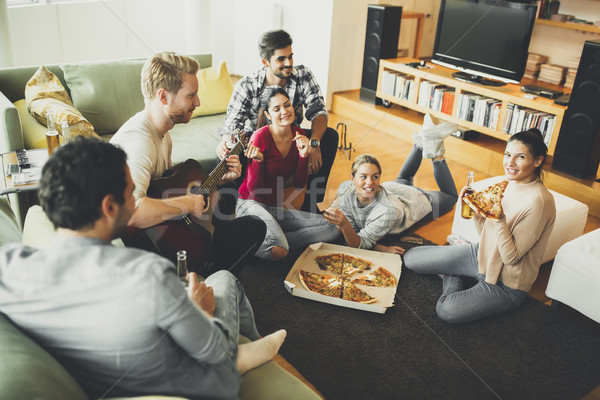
{"type": "Point", "coordinates": [494, 275]}
{"type": "Point", "coordinates": [277, 158]}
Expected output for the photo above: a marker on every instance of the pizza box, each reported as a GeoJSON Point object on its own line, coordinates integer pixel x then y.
{"type": "Point", "coordinates": [307, 262]}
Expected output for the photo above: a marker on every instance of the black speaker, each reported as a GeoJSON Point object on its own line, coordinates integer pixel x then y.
{"type": "Point", "coordinates": [381, 41]}
{"type": "Point", "coordinates": [577, 150]}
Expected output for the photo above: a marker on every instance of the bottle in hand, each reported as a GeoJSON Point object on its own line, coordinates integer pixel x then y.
{"type": "Point", "coordinates": [182, 269]}
{"type": "Point", "coordinates": [466, 211]}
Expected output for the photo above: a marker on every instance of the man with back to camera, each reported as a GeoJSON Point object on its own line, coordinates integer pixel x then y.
{"type": "Point", "coordinates": [170, 88]}
{"type": "Point", "coordinates": [275, 49]}
{"type": "Point", "coordinates": [119, 319]}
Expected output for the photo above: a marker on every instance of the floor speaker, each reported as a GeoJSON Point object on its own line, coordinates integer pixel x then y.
{"type": "Point", "coordinates": [381, 41]}
{"type": "Point", "coordinates": [577, 150]}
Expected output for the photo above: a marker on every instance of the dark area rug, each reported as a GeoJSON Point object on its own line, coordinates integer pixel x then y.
{"type": "Point", "coordinates": [534, 352]}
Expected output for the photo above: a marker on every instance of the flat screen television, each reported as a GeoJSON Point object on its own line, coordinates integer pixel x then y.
{"type": "Point", "coordinates": [484, 39]}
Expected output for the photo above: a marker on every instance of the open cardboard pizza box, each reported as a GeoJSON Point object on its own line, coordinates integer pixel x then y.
{"type": "Point", "coordinates": [306, 261]}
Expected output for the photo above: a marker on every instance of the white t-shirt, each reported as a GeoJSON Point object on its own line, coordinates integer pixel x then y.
{"type": "Point", "coordinates": [148, 155]}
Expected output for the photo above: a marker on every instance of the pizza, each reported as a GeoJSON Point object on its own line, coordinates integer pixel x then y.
{"type": "Point", "coordinates": [329, 285]}
{"type": "Point", "coordinates": [338, 281]}
{"type": "Point", "coordinates": [342, 264]}
{"type": "Point", "coordinates": [488, 201]}
{"type": "Point", "coordinates": [379, 278]}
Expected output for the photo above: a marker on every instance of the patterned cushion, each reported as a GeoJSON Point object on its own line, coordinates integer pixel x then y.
{"type": "Point", "coordinates": [44, 91]}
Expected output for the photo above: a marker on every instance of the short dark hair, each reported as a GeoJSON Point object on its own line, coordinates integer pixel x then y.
{"type": "Point", "coordinates": [271, 41]}
{"type": "Point", "coordinates": [534, 140]}
{"type": "Point", "coordinates": [76, 178]}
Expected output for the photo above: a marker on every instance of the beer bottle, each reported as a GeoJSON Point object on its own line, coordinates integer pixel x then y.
{"type": "Point", "coordinates": [66, 132]}
{"type": "Point", "coordinates": [182, 269]}
{"type": "Point", "coordinates": [466, 211]}
{"type": "Point", "coordinates": [51, 132]}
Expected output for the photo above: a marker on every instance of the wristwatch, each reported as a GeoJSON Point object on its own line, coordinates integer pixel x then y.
{"type": "Point", "coordinates": [314, 143]}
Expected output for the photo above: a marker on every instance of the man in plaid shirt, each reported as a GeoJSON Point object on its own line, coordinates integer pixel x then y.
{"type": "Point", "coordinates": [275, 49]}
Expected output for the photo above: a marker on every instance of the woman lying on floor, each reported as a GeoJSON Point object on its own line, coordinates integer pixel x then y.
{"type": "Point", "coordinates": [366, 210]}
{"type": "Point", "coordinates": [506, 262]}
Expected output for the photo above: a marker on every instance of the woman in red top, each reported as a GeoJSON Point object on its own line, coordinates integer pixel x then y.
{"type": "Point", "coordinates": [277, 158]}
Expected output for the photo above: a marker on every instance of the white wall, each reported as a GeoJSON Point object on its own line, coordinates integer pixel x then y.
{"type": "Point", "coordinates": [113, 29]}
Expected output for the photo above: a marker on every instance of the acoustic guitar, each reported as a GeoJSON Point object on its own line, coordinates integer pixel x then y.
{"type": "Point", "coordinates": [183, 233]}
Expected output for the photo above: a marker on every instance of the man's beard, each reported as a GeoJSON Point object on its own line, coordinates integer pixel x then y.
{"type": "Point", "coordinates": [180, 116]}
{"type": "Point", "coordinates": [282, 75]}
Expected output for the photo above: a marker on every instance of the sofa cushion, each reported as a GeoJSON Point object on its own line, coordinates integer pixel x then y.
{"type": "Point", "coordinates": [106, 93]}
{"type": "Point", "coordinates": [44, 91]}
{"type": "Point", "coordinates": [214, 90]}
{"type": "Point", "coordinates": [34, 133]}
{"type": "Point", "coordinates": [28, 372]}
{"type": "Point", "coordinates": [197, 139]}
{"type": "Point", "coordinates": [9, 227]}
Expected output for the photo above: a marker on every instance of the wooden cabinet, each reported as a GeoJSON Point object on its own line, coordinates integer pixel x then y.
{"type": "Point", "coordinates": [504, 99]}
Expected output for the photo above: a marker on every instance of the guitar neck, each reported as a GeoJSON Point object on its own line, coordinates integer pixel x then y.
{"type": "Point", "coordinates": [211, 183]}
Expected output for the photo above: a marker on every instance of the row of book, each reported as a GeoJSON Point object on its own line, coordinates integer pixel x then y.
{"type": "Point", "coordinates": [480, 110]}
{"type": "Point", "coordinates": [571, 72]}
{"type": "Point", "coordinates": [436, 96]}
{"type": "Point", "coordinates": [397, 84]}
{"type": "Point", "coordinates": [519, 118]}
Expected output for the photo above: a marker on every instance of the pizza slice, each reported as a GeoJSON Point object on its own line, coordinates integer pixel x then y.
{"type": "Point", "coordinates": [331, 262]}
{"type": "Point", "coordinates": [379, 278]}
{"type": "Point", "coordinates": [352, 265]}
{"type": "Point", "coordinates": [327, 285]}
{"type": "Point", "coordinates": [488, 201]}
{"type": "Point", "coordinates": [353, 293]}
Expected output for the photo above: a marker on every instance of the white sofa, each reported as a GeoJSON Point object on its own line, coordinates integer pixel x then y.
{"type": "Point", "coordinates": [571, 216]}
{"type": "Point", "coordinates": [575, 276]}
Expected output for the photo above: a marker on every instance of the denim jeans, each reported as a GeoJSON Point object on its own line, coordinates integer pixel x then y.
{"type": "Point", "coordinates": [459, 265]}
{"type": "Point", "coordinates": [232, 308]}
{"type": "Point", "coordinates": [290, 229]}
{"type": "Point", "coordinates": [441, 201]}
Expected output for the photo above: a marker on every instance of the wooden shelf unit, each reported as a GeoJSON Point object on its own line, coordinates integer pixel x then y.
{"type": "Point", "coordinates": [568, 25]}
{"type": "Point", "coordinates": [510, 93]}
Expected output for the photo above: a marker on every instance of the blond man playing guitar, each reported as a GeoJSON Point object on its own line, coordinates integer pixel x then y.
{"type": "Point", "coordinates": [170, 86]}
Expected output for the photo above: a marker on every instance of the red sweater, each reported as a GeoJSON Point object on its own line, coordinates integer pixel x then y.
{"type": "Point", "coordinates": [264, 181]}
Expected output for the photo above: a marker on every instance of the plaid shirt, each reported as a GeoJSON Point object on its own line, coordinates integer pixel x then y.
{"type": "Point", "coordinates": [303, 89]}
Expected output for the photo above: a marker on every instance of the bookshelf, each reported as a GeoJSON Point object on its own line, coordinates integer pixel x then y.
{"type": "Point", "coordinates": [568, 25]}
{"type": "Point", "coordinates": [489, 110]}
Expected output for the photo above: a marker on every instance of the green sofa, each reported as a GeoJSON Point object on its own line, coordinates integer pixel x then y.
{"type": "Point", "coordinates": [29, 372]}
{"type": "Point", "coordinates": [107, 93]}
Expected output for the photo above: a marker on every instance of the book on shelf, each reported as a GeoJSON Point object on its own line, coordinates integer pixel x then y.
{"type": "Point", "coordinates": [554, 74]}
{"type": "Point", "coordinates": [519, 118]}
{"type": "Point", "coordinates": [532, 68]}
{"type": "Point", "coordinates": [388, 82]}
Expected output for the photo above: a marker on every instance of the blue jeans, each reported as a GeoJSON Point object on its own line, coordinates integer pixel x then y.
{"type": "Point", "coordinates": [441, 201]}
{"type": "Point", "coordinates": [290, 229]}
{"type": "Point", "coordinates": [459, 305]}
{"type": "Point", "coordinates": [232, 308]}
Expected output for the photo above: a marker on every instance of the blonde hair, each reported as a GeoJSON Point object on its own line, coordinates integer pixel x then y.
{"type": "Point", "coordinates": [166, 70]}
{"type": "Point", "coordinates": [364, 159]}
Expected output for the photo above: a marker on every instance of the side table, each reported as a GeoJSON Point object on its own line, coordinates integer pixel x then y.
{"type": "Point", "coordinates": [37, 159]}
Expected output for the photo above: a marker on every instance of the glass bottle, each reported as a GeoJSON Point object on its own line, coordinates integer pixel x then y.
{"type": "Point", "coordinates": [182, 269]}
{"type": "Point", "coordinates": [51, 132]}
{"type": "Point", "coordinates": [466, 211]}
{"type": "Point", "coordinates": [66, 132]}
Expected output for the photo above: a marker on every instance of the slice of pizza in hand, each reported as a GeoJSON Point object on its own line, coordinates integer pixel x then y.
{"type": "Point", "coordinates": [488, 202]}
{"type": "Point", "coordinates": [379, 278]}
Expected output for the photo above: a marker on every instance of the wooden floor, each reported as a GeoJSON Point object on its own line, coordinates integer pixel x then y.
{"type": "Point", "coordinates": [391, 150]}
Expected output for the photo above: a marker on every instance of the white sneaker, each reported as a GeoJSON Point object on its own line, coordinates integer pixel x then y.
{"type": "Point", "coordinates": [433, 135]}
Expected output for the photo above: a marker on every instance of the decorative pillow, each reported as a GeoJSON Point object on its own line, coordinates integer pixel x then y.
{"type": "Point", "coordinates": [44, 91]}
{"type": "Point", "coordinates": [107, 93]}
{"type": "Point", "coordinates": [214, 90]}
{"type": "Point", "coordinates": [34, 133]}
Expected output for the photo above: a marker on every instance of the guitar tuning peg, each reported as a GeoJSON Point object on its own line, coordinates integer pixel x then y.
{"type": "Point", "coordinates": [233, 140]}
